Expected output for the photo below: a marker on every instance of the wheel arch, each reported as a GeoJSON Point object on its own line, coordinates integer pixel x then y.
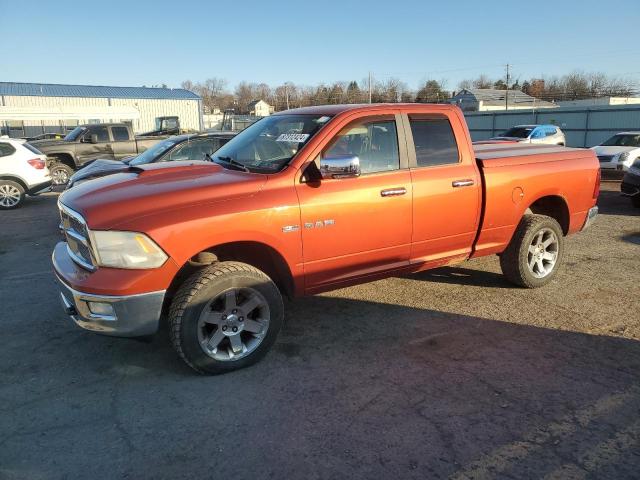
{"type": "Point", "coordinates": [257, 254]}
{"type": "Point", "coordinates": [554, 206]}
{"type": "Point", "coordinates": [16, 179]}
{"type": "Point", "coordinates": [66, 158]}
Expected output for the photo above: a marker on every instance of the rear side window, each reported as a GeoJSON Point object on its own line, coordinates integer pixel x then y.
{"type": "Point", "coordinates": [6, 149]}
{"type": "Point", "coordinates": [551, 131]}
{"type": "Point", "coordinates": [434, 141]}
{"type": "Point", "coordinates": [120, 134]}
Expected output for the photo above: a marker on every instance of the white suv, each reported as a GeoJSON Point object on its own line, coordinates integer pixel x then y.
{"type": "Point", "coordinates": [23, 172]}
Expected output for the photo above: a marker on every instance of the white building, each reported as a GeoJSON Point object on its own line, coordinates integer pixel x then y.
{"type": "Point", "coordinates": [260, 108]}
{"type": "Point", "coordinates": [488, 99]}
{"type": "Point", "coordinates": [600, 101]}
{"type": "Point", "coordinates": [29, 109]}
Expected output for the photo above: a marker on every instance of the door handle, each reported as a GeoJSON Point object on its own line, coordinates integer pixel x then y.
{"type": "Point", "coordinates": [462, 183]}
{"type": "Point", "coordinates": [393, 192]}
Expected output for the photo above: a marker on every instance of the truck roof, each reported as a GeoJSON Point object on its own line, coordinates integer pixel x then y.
{"type": "Point", "coordinates": [336, 109]}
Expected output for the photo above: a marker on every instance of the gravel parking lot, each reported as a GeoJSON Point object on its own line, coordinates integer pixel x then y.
{"type": "Point", "coordinates": [449, 373]}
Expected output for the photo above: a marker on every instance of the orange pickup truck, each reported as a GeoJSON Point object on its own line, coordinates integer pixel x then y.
{"type": "Point", "coordinates": [305, 201]}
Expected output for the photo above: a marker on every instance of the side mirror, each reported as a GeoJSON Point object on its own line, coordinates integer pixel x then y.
{"type": "Point", "coordinates": [343, 166]}
{"type": "Point", "coordinates": [93, 138]}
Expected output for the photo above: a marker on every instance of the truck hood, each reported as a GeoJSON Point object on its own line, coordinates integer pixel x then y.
{"type": "Point", "coordinates": [97, 168]}
{"type": "Point", "coordinates": [611, 150]}
{"type": "Point", "coordinates": [48, 143]}
{"type": "Point", "coordinates": [144, 190]}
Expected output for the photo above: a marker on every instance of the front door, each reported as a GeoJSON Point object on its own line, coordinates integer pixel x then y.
{"type": "Point", "coordinates": [100, 150]}
{"type": "Point", "coordinates": [446, 188]}
{"type": "Point", "coordinates": [356, 227]}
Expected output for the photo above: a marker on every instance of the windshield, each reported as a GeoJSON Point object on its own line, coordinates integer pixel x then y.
{"type": "Point", "coordinates": [151, 154]}
{"type": "Point", "coordinates": [518, 132]}
{"type": "Point", "coordinates": [623, 141]}
{"type": "Point", "coordinates": [271, 143]}
{"type": "Point", "coordinates": [74, 134]}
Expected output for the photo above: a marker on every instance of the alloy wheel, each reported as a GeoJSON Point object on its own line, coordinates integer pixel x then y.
{"type": "Point", "coordinates": [543, 253]}
{"type": "Point", "coordinates": [9, 195]}
{"type": "Point", "coordinates": [233, 324]}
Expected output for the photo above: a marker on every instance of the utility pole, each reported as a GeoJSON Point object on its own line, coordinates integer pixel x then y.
{"type": "Point", "coordinates": [369, 87]}
{"type": "Point", "coordinates": [506, 91]}
{"type": "Point", "coordinates": [286, 94]}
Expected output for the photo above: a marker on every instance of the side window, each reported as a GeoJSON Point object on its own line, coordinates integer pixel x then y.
{"type": "Point", "coordinates": [120, 134]}
{"type": "Point", "coordinates": [551, 131]}
{"type": "Point", "coordinates": [434, 141]}
{"type": "Point", "coordinates": [101, 132]}
{"type": "Point", "coordinates": [6, 149]}
{"type": "Point", "coordinates": [193, 150]}
{"type": "Point", "coordinates": [374, 143]}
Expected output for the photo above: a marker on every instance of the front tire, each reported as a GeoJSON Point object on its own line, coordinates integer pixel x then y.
{"type": "Point", "coordinates": [11, 195]}
{"type": "Point", "coordinates": [535, 252]}
{"type": "Point", "coordinates": [225, 317]}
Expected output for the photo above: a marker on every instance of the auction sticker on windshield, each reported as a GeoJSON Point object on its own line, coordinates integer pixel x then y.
{"type": "Point", "coordinates": [293, 137]}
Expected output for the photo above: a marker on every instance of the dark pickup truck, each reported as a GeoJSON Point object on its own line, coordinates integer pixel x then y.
{"type": "Point", "coordinates": [85, 143]}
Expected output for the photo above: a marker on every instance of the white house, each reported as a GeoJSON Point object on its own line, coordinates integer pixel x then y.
{"type": "Point", "coordinates": [260, 108]}
{"type": "Point", "coordinates": [487, 99]}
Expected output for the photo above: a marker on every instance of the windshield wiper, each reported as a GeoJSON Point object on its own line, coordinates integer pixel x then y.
{"type": "Point", "coordinates": [231, 162]}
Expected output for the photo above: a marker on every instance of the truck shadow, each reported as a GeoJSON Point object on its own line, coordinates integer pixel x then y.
{"type": "Point", "coordinates": [377, 387]}
{"type": "Point", "coordinates": [462, 276]}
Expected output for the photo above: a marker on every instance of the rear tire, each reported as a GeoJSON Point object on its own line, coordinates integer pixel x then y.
{"type": "Point", "coordinates": [11, 194]}
{"type": "Point", "coordinates": [60, 173]}
{"type": "Point", "coordinates": [535, 252]}
{"type": "Point", "coordinates": [225, 317]}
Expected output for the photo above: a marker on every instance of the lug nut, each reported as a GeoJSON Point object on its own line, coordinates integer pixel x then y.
{"type": "Point", "coordinates": [235, 329]}
{"type": "Point", "coordinates": [224, 317]}
{"type": "Point", "coordinates": [241, 319]}
{"type": "Point", "coordinates": [224, 328]}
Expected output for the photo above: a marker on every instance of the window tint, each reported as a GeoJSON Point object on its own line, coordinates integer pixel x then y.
{"type": "Point", "coordinates": [120, 134]}
{"type": "Point", "coordinates": [550, 131]}
{"type": "Point", "coordinates": [101, 132]}
{"type": "Point", "coordinates": [434, 141]}
{"type": "Point", "coordinates": [6, 149]}
{"type": "Point", "coordinates": [375, 144]}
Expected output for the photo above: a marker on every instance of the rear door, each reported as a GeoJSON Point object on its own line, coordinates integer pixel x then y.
{"type": "Point", "coordinates": [446, 187]}
{"type": "Point", "coordinates": [355, 227]}
{"type": "Point", "coordinates": [124, 145]}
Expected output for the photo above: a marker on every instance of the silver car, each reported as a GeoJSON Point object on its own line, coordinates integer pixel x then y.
{"type": "Point", "coordinates": [544, 134]}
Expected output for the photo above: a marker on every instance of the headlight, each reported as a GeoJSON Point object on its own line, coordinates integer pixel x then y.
{"type": "Point", "coordinates": [126, 250]}
{"type": "Point", "coordinates": [623, 156]}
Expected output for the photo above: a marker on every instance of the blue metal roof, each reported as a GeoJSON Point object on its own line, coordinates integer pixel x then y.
{"type": "Point", "coordinates": [95, 91]}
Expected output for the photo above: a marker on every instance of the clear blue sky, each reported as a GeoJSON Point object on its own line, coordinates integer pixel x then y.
{"type": "Point", "coordinates": [134, 43]}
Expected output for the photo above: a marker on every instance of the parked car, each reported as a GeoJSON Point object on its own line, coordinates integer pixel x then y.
{"type": "Point", "coordinates": [305, 201]}
{"type": "Point", "coordinates": [23, 171]}
{"type": "Point", "coordinates": [618, 152]}
{"type": "Point", "coordinates": [630, 186]}
{"type": "Point", "coordinates": [545, 134]}
{"type": "Point", "coordinates": [180, 147]}
{"type": "Point", "coordinates": [85, 143]}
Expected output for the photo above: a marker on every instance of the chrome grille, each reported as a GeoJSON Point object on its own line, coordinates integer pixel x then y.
{"type": "Point", "coordinates": [77, 236]}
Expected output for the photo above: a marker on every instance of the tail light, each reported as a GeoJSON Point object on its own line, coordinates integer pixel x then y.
{"type": "Point", "coordinates": [596, 188]}
{"type": "Point", "coordinates": [36, 163]}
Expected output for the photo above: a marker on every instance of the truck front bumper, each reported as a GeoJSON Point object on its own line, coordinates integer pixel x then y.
{"type": "Point", "coordinates": [120, 316]}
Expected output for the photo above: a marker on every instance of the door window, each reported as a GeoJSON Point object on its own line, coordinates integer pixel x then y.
{"type": "Point", "coordinates": [434, 141]}
{"type": "Point", "coordinates": [120, 134]}
{"type": "Point", "coordinates": [101, 132]}
{"type": "Point", "coordinates": [374, 143]}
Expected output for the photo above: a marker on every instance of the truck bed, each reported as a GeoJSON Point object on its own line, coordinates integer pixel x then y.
{"type": "Point", "coordinates": [503, 154]}
{"type": "Point", "coordinates": [515, 176]}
